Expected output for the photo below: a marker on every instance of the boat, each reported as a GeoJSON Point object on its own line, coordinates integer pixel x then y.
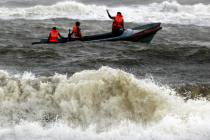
{"type": "Point", "coordinates": [143, 34]}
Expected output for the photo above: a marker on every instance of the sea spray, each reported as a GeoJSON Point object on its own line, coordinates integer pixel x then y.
{"type": "Point", "coordinates": [106, 96]}
{"type": "Point", "coordinates": [97, 104]}
{"type": "Point", "coordinates": [164, 12]}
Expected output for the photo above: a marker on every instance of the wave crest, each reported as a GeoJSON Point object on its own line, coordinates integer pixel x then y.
{"type": "Point", "coordinates": [174, 6]}
{"type": "Point", "coordinates": [102, 97]}
{"type": "Point", "coordinates": [165, 12]}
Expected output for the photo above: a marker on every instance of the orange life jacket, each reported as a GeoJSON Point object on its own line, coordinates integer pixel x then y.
{"type": "Point", "coordinates": [54, 36]}
{"type": "Point", "coordinates": [118, 21]}
{"type": "Point", "coordinates": [76, 34]}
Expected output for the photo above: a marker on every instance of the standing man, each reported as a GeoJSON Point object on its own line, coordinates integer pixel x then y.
{"type": "Point", "coordinates": [53, 36]}
{"type": "Point", "coordinates": [118, 23]}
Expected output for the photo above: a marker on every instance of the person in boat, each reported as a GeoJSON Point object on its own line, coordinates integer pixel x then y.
{"type": "Point", "coordinates": [53, 36]}
{"type": "Point", "coordinates": [77, 30]}
{"type": "Point", "coordinates": [117, 24]}
{"type": "Point", "coordinates": [69, 35]}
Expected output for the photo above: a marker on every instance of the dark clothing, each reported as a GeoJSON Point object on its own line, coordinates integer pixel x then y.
{"type": "Point", "coordinates": [117, 32]}
{"type": "Point", "coordinates": [69, 36]}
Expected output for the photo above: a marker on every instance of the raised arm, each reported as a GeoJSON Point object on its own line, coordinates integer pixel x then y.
{"type": "Point", "coordinates": [110, 15]}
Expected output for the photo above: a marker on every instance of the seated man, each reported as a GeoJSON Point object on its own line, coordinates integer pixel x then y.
{"type": "Point", "coordinates": [53, 36]}
{"type": "Point", "coordinates": [118, 23]}
{"type": "Point", "coordinates": [69, 36]}
{"type": "Point", "coordinates": [77, 30]}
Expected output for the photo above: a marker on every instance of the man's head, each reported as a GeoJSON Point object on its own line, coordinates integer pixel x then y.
{"type": "Point", "coordinates": [77, 23]}
{"type": "Point", "coordinates": [54, 28]}
{"type": "Point", "coordinates": [118, 13]}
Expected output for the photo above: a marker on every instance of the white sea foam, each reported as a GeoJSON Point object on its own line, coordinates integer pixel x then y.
{"type": "Point", "coordinates": [97, 104]}
{"type": "Point", "coordinates": [194, 43]}
{"type": "Point", "coordinates": [165, 12]}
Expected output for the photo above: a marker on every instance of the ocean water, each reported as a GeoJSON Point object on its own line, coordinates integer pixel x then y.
{"type": "Point", "coordinates": [105, 90]}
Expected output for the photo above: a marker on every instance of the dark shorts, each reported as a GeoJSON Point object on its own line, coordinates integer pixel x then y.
{"type": "Point", "coordinates": [117, 32]}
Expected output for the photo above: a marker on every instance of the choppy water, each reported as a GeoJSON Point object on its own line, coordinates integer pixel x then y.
{"type": "Point", "coordinates": [105, 90]}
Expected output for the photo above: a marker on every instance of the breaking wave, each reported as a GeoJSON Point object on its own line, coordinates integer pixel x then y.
{"type": "Point", "coordinates": [99, 102]}
{"type": "Point", "coordinates": [100, 97]}
{"type": "Point", "coordinates": [165, 12]}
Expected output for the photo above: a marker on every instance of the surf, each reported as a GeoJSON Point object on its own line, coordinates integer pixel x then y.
{"type": "Point", "coordinates": [103, 103]}
{"type": "Point", "coordinates": [166, 12]}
